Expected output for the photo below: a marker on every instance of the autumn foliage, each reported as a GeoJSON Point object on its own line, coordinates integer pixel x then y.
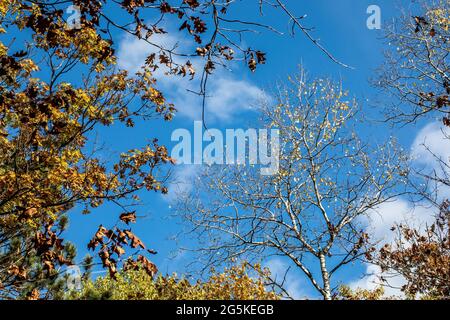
{"type": "Point", "coordinates": [235, 283]}
{"type": "Point", "coordinates": [47, 166]}
{"type": "Point", "coordinates": [421, 257]}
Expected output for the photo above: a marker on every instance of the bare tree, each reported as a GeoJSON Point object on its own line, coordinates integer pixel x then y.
{"type": "Point", "coordinates": [309, 211]}
{"type": "Point", "coordinates": [416, 71]}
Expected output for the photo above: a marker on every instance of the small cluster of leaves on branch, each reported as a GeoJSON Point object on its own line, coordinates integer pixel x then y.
{"type": "Point", "coordinates": [112, 241]}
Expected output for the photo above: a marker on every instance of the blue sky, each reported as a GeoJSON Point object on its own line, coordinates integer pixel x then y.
{"type": "Point", "coordinates": [341, 27]}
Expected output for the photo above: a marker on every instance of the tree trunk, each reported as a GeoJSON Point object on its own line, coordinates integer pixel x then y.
{"type": "Point", "coordinates": [326, 278]}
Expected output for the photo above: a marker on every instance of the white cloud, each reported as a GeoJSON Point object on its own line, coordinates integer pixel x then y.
{"type": "Point", "coordinates": [372, 280]}
{"type": "Point", "coordinates": [227, 95]}
{"type": "Point", "coordinates": [381, 219]}
{"type": "Point", "coordinates": [431, 153]}
{"type": "Point", "coordinates": [431, 142]}
{"type": "Point", "coordinates": [133, 51]}
{"type": "Point", "coordinates": [293, 286]}
{"type": "Point", "coordinates": [380, 222]}
{"type": "Point", "coordinates": [182, 181]}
